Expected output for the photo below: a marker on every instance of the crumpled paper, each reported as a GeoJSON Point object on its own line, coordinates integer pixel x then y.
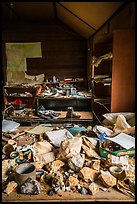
{"type": "Point", "coordinates": [125, 187]}
{"type": "Point", "coordinates": [70, 147]}
{"type": "Point", "coordinates": [121, 124]}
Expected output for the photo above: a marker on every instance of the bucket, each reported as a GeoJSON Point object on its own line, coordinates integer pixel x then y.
{"type": "Point", "coordinates": [25, 171]}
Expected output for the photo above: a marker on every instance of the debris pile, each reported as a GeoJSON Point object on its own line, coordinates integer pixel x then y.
{"type": "Point", "coordinates": [74, 163]}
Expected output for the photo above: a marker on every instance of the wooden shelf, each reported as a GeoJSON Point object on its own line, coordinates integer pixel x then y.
{"type": "Point", "coordinates": [27, 100]}
{"type": "Point", "coordinates": [86, 117]}
{"type": "Point", "coordinates": [61, 104]}
{"type": "Point", "coordinates": [63, 82]}
{"type": "Point", "coordinates": [19, 96]}
{"type": "Point", "coordinates": [121, 68]}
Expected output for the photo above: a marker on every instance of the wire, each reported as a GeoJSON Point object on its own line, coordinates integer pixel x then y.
{"type": "Point", "coordinates": [102, 105]}
{"type": "Point", "coordinates": [97, 117]}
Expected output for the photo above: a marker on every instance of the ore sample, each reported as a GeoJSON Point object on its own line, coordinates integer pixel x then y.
{"type": "Point", "coordinates": [51, 192]}
{"type": "Point", "coordinates": [30, 186]}
{"type": "Point", "coordinates": [83, 190]}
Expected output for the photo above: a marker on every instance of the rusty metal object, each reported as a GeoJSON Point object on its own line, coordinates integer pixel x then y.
{"type": "Point", "coordinates": [7, 149]}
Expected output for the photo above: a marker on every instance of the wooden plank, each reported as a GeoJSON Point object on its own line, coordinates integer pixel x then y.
{"type": "Point", "coordinates": [113, 195]}
{"type": "Point", "coordinates": [123, 72]}
{"type": "Point", "coordinates": [85, 115]}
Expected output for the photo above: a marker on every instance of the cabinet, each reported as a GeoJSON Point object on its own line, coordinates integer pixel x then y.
{"type": "Point", "coordinates": [81, 106]}
{"type": "Point", "coordinates": [113, 72]}
{"type": "Point", "coordinates": [123, 72]}
{"type": "Point", "coordinates": [21, 96]}
{"type": "Point", "coordinates": [61, 95]}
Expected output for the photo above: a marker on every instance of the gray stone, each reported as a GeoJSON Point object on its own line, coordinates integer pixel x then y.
{"type": "Point", "coordinates": [76, 162]}
{"type": "Point", "coordinates": [51, 192]}
{"type": "Point", "coordinates": [83, 190]}
{"type": "Point", "coordinates": [30, 186]}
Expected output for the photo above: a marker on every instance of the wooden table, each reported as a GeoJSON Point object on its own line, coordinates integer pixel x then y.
{"type": "Point", "coordinates": [112, 195]}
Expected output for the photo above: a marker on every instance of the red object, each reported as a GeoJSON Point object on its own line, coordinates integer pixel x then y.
{"type": "Point", "coordinates": [17, 102]}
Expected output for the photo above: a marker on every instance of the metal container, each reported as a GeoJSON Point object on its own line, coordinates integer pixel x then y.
{"type": "Point", "coordinates": [25, 171]}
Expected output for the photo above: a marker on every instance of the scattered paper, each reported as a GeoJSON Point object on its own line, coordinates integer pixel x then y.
{"type": "Point", "coordinates": [122, 160]}
{"type": "Point", "coordinates": [126, 141]}
{"type": "Point", "coordinates": [39, 129]}
{"type": "Point", "coordinates": [92, 140]}
{"type": "Point", "coordinates": [9, 125]}
{"type": "Point", "coordinates": [101, 129]}
{"type": "Point", "coordinates": [57, 136]}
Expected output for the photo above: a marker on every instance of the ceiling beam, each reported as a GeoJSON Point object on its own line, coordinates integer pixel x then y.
{"type": "Point", "coordinates": [77, 16]}
{"type": "Point", "coordinates": [109, 19]}
{"type": "Point", "coordinates": [55, 10]}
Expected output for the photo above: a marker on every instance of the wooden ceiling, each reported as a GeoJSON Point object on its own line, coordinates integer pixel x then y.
{"type": "Point", "coordinates": [84, 18]}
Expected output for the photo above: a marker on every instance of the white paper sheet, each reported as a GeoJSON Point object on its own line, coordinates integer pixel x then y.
{"type": "Point", "coordinates": [9, 125]}
{"type": "Point", "coordinates": [126, 141]}
{"type": "Point", "coordinates": [57, 136]}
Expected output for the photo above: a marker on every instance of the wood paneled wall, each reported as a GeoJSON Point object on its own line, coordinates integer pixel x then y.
{"type": "Point", "coordinates": [62, 58]}
{"type": "Point", "coordinates": [64, 53]}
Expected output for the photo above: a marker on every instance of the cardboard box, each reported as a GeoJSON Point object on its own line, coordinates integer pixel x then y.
{"type": "Point", "coordinates": [124, 141]}
{"type": "Point", "coordinates": [104, 152]}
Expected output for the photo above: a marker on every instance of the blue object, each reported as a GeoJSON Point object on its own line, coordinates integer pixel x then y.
{"type": "Point", "coordinates": [75, 130]}
{"type": "Point", "coordinates": [103, 137]}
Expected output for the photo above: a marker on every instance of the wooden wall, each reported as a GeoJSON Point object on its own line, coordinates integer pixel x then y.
{"type": "Point", "coordinates": [62, 58]}
{"type": "Point", "coordinates": [122, 93]}
{"type": "Point", "coordinates": [64, 53]}
{"type": "Point", "coordinates": [123, 72]}
{"type": "Point", "coordinates": [124, 19]}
